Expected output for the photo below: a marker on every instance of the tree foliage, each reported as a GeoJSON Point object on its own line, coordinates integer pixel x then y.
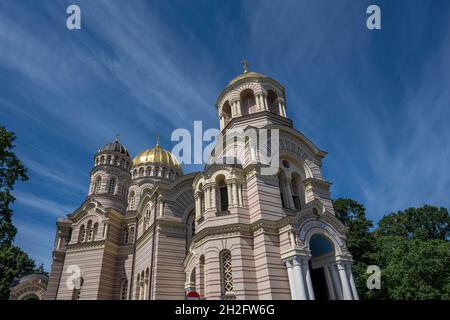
{"type": "Point", "coordinates": [411, 248]}
{"type": "Point", "coordinates": [14, 262]}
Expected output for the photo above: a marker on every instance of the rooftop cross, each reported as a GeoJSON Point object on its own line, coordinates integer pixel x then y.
{"type": "Point", "coordinates": [116, 139]}
{"type": "Point", "coordinates": [245, 65]}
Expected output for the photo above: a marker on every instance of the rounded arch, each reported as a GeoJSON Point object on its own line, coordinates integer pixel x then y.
{"type": "Point", "coordinates": [226, 112]}
{"type": "Point", "coordinates": [312, 227]}
{"type": "Point", "coordinates": [248, 102]}
{"type": "Point", "coordinates": [272, 101]}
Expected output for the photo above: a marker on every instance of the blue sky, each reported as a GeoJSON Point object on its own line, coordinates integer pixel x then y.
{"type": "Point", "coordinates": [377, 101]}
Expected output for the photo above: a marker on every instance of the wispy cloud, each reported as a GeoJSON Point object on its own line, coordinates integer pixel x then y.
{"type": "Point", "coordinates": [42, 205]}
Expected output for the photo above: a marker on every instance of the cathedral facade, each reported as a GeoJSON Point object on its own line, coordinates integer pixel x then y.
{"type": "Point", "coordinates": [148, 231]}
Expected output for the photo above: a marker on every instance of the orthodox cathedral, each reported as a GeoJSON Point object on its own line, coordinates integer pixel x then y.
{"type": "Point", "coordinates": [147, 231]}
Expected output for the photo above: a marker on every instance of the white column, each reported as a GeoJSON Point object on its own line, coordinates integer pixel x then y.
{"type": "Point", "coordinates": [299, 280]}
{"type": "Point", "coordinates": [240, 201]}
{"type": "Point", "coordinates": [344, 282]}
{"type": "Point", "coordinates": [352, 282]}
{"type": "Point", "coordinates": [280, 108]}
{"type": "Point", "coordinates": [330, 285]}
{"type": "Point", "coordinates": [258, 102]}
{"type": "Point", "coordinates": [291, 277]}
{"type": "Point", "coordinates": [198, 213]}
{"type": "Point", "coordinates": [229, 194]}
{"type": "Point", "coordinates": [161, 208]}
{"type": "Point", "coordinates": [213, 198]}
{"type": "Point", "coordinates": [264, 100]}
{"type": "Point", "coordinates": [222, 122]}
{"type": "Point", "coordinates": [308, 279]}
{"type": "Point", "coordinates": [207, 198]}
{"type": "Point", "coordinates": [336, 282]}
{"type": "Point", "coordinates": [235, 194]}
{"type": "Point", "coordinates": [238, 107]}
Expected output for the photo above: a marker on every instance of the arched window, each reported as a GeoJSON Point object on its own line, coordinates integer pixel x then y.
{"type": "Point", "coordinates": [272, 101]}
{"type": "Point", "coordinates": [112, 186]}
{"type": "Point", "coordinates": [82, 234]}
{"type": "Point", "coordinates": [97, 161]}
{"type": "Point", "coordinates": [121, 163]}
{"type": "Point", "coordinates": [141, 172]}
{"type": "Point", "coordinates": [78, 285]}
{"type": "Point", "coordinates": [149, 171]}
{"type": "Point", "coordinates": [125, 235]}
{"type": "Point", "coordinates": [296, 192]}
{"type": "Point", "coordinates": [146, 281]}
{"type": "Point", "coordinates": [226, 272]}
{"type": "Point", "coordinates": [201, 285]}
{"type": "Point", "coordinates": [108, 160]}
{"type": "Point", "coordinates": [115, 161]}
{"type": "Point", "coordinates": [281, 178]}
{"type": "Point", "coordinates": [223, 192]}
{"type": "Point", "coordinates": [97, 184]}
{"type": "Point", "coordinates": [132, 200]}
{"type": "Point", "coordinates": [163, 173]}
{"type": "Point", "coordinates": [102, 159]}
{"type": "Point", "coordinates": [90, 230]}
{"type": "Point", "coordinates": [226, 113]}
{"type": "Point", "coordinates": [248, 102]}
{"type": "Point", "coordinates": [134, 173]}
{"type": "Point", "coordinates": [138, 287]}
{"type": "Point", "coordinates": [156, 171]}
{"type": "Point", "coordinates": [95, 231]}
{"type": "Point", "coordinates": [131, 235]}
{"type": "Point", "coordinates": [190, 229]}
{"type": "Point", "coordinates": [124, 289]}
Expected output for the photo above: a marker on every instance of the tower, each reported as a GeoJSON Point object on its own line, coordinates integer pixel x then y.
{"type": "Point", "coordinates": [110, 176]}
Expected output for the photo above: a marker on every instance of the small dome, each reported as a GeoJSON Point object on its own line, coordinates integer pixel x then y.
{"type": "Point", "coordinates": [245, 75]}
{"type": "Point", "coordinates": [157, 155]}
{"type": "Point", "coordinates": [115, 146]}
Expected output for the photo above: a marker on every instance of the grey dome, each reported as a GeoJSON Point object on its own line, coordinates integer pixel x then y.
{"type": "Point", "coordinates": [115, 146]}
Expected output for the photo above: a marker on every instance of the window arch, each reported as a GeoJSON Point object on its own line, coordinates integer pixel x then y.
{"type": "Point", "coordinates": [97, 184]}
{"type": "Point", "coordinates": [297, 190]}
{"type": "Point", "coordinates": [90, 230]}
{"type": "Point", "coordinates": [149, 171]}
{"type": "Point", "coordinates": [135, 173]}
{"type": "Point", "coordinates": [112, 186]}
{"type": "Point", "coordinates": [82, 234]}
{"type": "Point", "coordinates": [226, 272]}
{"type": "Point", "coordinates": [141, 172]}
{"type": "Point", "coordinates": [108, 160]}
{"type": "Point", "coordinates": [202, 275]}
{"type": "Point", "coordinates": [272, 102]}
{"type": "Point", "coordinates": [132, 199]}
{"type": "Point", "coordinates": [102, 159]}
{"type": "Point", "coordinates": [78, 285]}
{"type": "Point", "coordinates": [226, 113]}
{"type": "Point", "coordinates": [190, 229]}
{"type": "Point", "coordinates": [223, 192]}
{"type": "Point", "coordinates": [124, 289]}
{"type": "Point", "coordinates": [115, 160]}
{"type": "Point", "coordinates": [95, 231]}
{"type": "Point", "coordinates": [125, 235]}
{"type": "Point", "coordinates": [281, 185]}
{"type": "Point", "coordinates": [248, 102]}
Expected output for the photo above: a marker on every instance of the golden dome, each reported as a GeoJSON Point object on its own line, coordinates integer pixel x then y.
{"type": "Point", "coordinates": [245, 75]}
{"type": "Point", "coordinates": [157, 155]}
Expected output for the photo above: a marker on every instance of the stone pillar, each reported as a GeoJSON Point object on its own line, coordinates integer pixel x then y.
{"type": "Point", "coordinates": [352, 282]}
{"type": "Point", "coordinates": [330, 285]}
{"type": "Point", "coordinates": [213, 198]}
{"type": "Point", "coordinates": [308, 279]}
{"type": "Point", "coordinates": [240, 198]}
{"type": "Point", "coordinates": [299, 280]}
{"type": "Point", "coordinates": [336, 282]}
{"type": "Point", "coordinates": [291, 277]}
{"type": "Point", "coordinates": [222, 122]}
{"type": "Point", "coordinates": [235, 194]}
{"type": "Point", "coordinates": [344, 282]}
{"type": "Point", "coordinates": [161, 207]}
{"type": "Point", "coordinates": [229, 194]}
{"type": "Point", "coordinates": [238, 108]}
{"type": "Point", "coordinates": [264, 100]}
{"type": "Point", "coordinates": [198, 206]}
{"type": "Point", "coordinates": [207, 198]}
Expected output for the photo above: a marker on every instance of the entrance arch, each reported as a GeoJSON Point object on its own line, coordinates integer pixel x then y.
{"type": "Point", "coordinates": [323, 254]}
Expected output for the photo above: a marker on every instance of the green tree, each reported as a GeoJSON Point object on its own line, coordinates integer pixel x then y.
{"type": "Point", "coordinates": [413, 252]}
{"type": "Point", "coordinates": [360, 240]}
{"type": "Point", "coordinates": [426, 223]}
{"type": "Point", "coordinates": [14, 262]}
